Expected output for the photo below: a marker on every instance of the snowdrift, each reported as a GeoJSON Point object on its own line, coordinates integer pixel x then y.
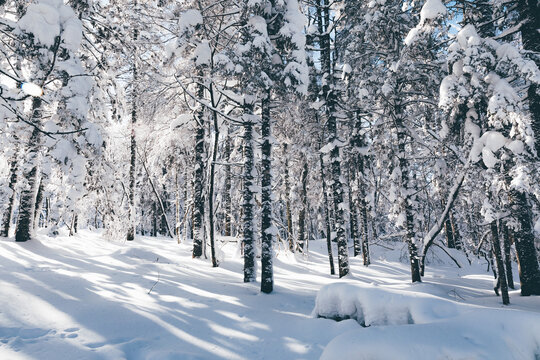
{"type": "Point", "coordinates": [405, 325]}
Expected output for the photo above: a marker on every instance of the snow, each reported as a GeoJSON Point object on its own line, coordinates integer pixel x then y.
{"type": "Point", "coordinates": [88, 298]}
{"type": "Point", "coordinates": [475, 334]}
{"type": "Point", "coordinates": [202, 54]}
{"type": "Point", "coordinates": [180, 121]}
{"type": "Point", "coordinates": [489, 159]}
{"type": "Point", "coordinates": [371, 305]}
{"type": "Point", "coordinates": [493, 140]}
{"type": "Point", "coordinates": [31, 89]}
{"type": "Point", "coordinates": [516, 146]}
{"type": "Point", "coordinates": [431, 10]}
{"type": "Point", "coordinates": [418, 324]}
{"type": "Point", "coordinates": [48, 19]}
{"type": "Point", "coordinates": [43, 20]}
{"type": "Point", "coordinates": [189, 19]}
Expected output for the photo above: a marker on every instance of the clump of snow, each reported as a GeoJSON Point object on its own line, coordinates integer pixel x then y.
{"type": "Point", "coordinates": [468, 36]}
{"type": "Point", "coordinates": [202, 54]}
{"type": "Point", "coordinates": [493, 140]}
{"type": "Point", "coordinates": [475, 334]}
{"type": "Point", "coordinates": [42, 20]}
{"type": "Point", "coordinates": [31, 89]}
{"type": "Point", "coordinates": [371, 305]}
{"type": "Point", "coordinates": [431, 10]}
{"type": "Point", "coordinates": [489, 159]}
{"type": "Point", "coordinates": [421, 325]}
{"type": "Point", "coordinates": [412, 35]}
{"type": "Point", "coordinates": [48, 19]}
{"type": "Point", "coordinates": [189, 19]}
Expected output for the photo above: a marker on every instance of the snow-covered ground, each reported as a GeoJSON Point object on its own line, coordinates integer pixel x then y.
{"type": "Point", "coordinates": [84, 297]}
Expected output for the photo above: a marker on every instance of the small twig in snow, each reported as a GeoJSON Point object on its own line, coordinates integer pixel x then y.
{"type": "Point", "coordinates": [152, 288]}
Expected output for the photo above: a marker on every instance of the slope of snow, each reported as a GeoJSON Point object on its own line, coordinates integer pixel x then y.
{"type": "Point", "coordinates": [447, 330]}
{"type": "Point", "coordinates": [83, 297]}
{"type": "Point", "coordinates": [476, 334]}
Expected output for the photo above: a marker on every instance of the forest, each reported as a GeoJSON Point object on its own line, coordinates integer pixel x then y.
{"type": "Point", "coordinates": [335, 127]}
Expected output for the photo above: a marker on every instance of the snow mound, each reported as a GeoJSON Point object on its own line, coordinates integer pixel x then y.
{"type": "Point", "coordinates": [371, 305]}
{"type": "Point", "coordinates": [423, 326]}
{"type": "Point", "coordinates": [142, 254]}
{"type": "Point", "coordinates": [479, 334]}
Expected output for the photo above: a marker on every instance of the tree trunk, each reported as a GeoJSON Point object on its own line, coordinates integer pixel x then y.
{"type": "Point", "coordinates": [529, 271]}
{"type": "Point", "coordinates": [267, 229]}
{"type": "Point", "coordinates": [198, 197]}
{"type": "Point", "coordinates": [27, 202]}
{"type": "Point", "coordinates": [228, 187]}
{"type": "Point", "coordinates": [529, 11]}
{"type": "Point", "coordinates": [363, 207]}
{"type": "Point", "coordinates": [6, 219]}
{"type": "Point", "coordinates": [450, 242]}
{"type": "Point", "coordinates": [163, 216]}
{"type": "Point", "coordinates": [177, 207]}
{"type": "Point", "coordinates": [365, 231]}
{"type": "Point", "coordinates": [455, 232]}
{"type": "Point", "coordinates": [39, 203]}
{"type": "Point", "coordinates": [248, 200]}
{"type": "Point", "coordinates": [286, 179]}
{"type": "Point", "coordinates": [499, 261]}
{"type": "Point", "coordinates": [302, 214]}
{"type": "Point", "coordinates": [507, 256]}
{"type": "Point", "coordinates": [353, 221]}
{"type": "Point", "coordinates": [212, 183]}
{"type": "Point", "coordinates": [327, 218]}
{"type": "Point", "coordinates": [406, 205]}
{"type": "Point", "coordinates": [131, 230]}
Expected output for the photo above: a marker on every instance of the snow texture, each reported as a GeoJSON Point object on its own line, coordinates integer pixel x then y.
{"type": "Point", "coordinates": [435, 328]}
{"type": "Point", "coordinates": [88, 298]}
{"type": "Point", "coordinates": [47, 19]}
{"type": "Point", "coordinates": [431, 10]}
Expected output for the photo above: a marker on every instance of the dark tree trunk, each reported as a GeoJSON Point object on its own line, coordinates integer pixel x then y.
{"type": "Point", "coordinates": [353, 221]}
{"type": "Point", "coordinates": [177, 207]}
{"type": "Point", "coordinates": [154, 231]}
{"type": "Point", "coordinates": [407, 207]}
{"type": "Point", "coordinates": [361, 181]}
{"type": "Point", "coordinates": [248, 200]}
{"type": "Point", "coordinates": [131, 230]}
{"type": "Point", "coordinates": [288, 199]}
{"type": "Point", "coordinates": [529, 271]}
{"type": "Point", "coordinates": [529, 11]}
{"type": "Point", "coordinates": [6, 219]}
{"type": "Point", "coordinates": [327, 218]}
{"type": "Point", "coordinates": [365, 234]}
{"type": "Point", "coordinates": [164, 227]}
{"type": "Point", "coordinates": [450, 242]}
{"type": "Point", "coordinates": [198, 197]}
{"type": "Point", "coordinates": [39, 203]}
{"type": "Point", "coordinates": [212, 181]}
{"type": "Point", "coordinates": [329, 92]}
{"type": "Point", "coordinates": [507, 256]}
{"type": "Point", "coordinates": [499, 261]}
{"type": "Point", "coordinates": [267, 229]}
{"type": "Point", "coordinates": [227, 191]}
{"type": "Point", "coordinates": [27, 201]}
{"type": "Point", "coordinates": [302, 238]}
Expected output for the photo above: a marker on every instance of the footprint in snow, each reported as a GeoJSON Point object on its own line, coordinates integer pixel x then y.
{"type": "Point", "coordinates": [70, 333]}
